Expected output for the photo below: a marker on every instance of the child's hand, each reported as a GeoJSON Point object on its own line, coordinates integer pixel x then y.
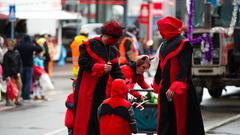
{"type": "Point", "coordinates": [143, 98]}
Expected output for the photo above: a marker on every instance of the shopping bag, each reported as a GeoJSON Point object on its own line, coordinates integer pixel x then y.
{"type": "Point", "coordinates": [38, 71]}
{"type": "Point", "coordinates": [45, 82]}
{"type": "Point", "coordinates": [12, 90]}
{"type": "Point", "coordinates": [4, 86]}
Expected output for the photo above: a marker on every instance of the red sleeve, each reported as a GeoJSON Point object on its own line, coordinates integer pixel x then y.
{"type": "Point", "coordinates": [178, 87]}
{"type": "Point", "coordinates": [136, 94]}
{"type": "Point", "coordinates": [70, 98]}
{"type": "Point", "coordinates": [126, 70]}
{"type": "Point", "coordinates": [142, 82]}
{"type": "Point", "coordinates": [155, 87]}
{"type": "Point", "coordinates": [97, 69]}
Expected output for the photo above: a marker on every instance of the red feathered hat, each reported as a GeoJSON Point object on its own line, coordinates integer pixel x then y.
{"type": "Point", "coordinates": [169, 27]}
{"type": "Point", "coordinates": [112, 28]}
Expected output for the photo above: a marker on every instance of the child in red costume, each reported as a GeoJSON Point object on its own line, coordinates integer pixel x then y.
{"type": "Point", "coordinates": [68, 122]}
{"type": "Point", "coordinates": [133, 71]}
{"type": "Point", "coordinates": [115, 114]}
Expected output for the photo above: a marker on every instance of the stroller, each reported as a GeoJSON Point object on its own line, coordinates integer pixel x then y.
{"type": "Point", "coordinates": [146, 113]}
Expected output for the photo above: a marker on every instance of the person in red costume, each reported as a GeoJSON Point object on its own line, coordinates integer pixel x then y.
{"type": "Point", "coordinates": [133, 72]}
{"type": "Point", "coordinates": [68, 121]}
{"type": "Point", "coordinates": [116, 116]}
{"type": "Point", "coordinates": [178, 109]}
{"type": "Point", "coordinates": [98, 60]}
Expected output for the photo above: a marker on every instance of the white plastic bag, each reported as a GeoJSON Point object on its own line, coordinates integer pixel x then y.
{"type": "Point", "coordinates": [3, 86]}
{"type": "Point", "coordinates": [45, 82]}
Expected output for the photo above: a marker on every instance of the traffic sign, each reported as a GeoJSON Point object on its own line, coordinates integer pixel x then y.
{"type": "Point", "coordinates": [12, 13]}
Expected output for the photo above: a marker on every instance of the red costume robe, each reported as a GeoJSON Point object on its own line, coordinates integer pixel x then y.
{"type": "Point", "coordinates": [91, 84]}
{"type": "Point", "coordinates": [182, 116]}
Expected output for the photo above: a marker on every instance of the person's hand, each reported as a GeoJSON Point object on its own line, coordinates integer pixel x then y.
{"type": "Point", "coordinates": [8, 79]}
{"type": "Point", "coordinates": [143, 98]}
{"type": "Point", "coordinates": [107, 68]}
{"type": "Point", "coordinates": [169, 94]}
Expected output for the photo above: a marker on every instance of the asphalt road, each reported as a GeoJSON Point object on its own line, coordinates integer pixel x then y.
{"type": "Point", "coordinates": [221, 116]}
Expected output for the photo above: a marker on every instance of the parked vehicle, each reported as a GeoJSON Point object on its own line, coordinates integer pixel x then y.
{"type": "Point", "coordinates": [224, 67]}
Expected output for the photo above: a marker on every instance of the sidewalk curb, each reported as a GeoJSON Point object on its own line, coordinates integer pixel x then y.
{"type": "Point", "coordinates": [4, 108]}
{"type": "Point", "coordinates": [224, 122]}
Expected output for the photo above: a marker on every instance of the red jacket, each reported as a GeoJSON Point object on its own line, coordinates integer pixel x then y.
{"type": "Point", "coordinates": [68, 122]}
{"type": "Point", "coordinates": [115, 113]}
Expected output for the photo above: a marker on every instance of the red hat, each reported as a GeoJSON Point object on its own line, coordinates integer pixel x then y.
{"type": "Point", "coordinates": [112, 28]}
{"type": "Point", "coordinates": [169, 27]}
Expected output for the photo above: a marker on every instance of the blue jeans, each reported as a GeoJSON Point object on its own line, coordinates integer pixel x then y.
{"type": "Point", "coordinates": [27, 80]}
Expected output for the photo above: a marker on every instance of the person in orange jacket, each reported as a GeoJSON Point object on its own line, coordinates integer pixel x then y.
{"type": "Point", "coordinates": [78, 40]}
{"type": "Point", "coordinates": [115, 114]}
{"type": "Point", "coordinates": [128, 46]}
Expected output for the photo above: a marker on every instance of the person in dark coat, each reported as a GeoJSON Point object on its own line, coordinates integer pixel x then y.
{"type": "Point", "coordinates": [116, 116]}
{"type": "Point", "coordinates": [12, 68]}
{"type": "Point", "coordinates": [178, 109]}
{"type": "Point", "coordinates": [26, 49]}
{"type": "Point", "coordinates": [98, 60]}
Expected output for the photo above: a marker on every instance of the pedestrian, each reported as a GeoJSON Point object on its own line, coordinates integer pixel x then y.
{"type": "Point", "coordinates": [128, 46]}
{"type": "Point", "coordinates": [68, 121]}
{"type": "Point", "coordinates": [98, 60]}
{"type": "Point", "coordinates": [3, 50]}
{"type": "Point", "coordinates": [78, 40]}
{"type": "Point", "coordinates": [38, 62]}
{"type": "Point", "coordinates": [26, 49]}
{"type": "Point", "coordinates": [115, 114]}
{"type": "Point", "coordinates": [133, 72]}
{"type": "Point", "coordinates": [12, 68]}
{"type": "Point", "coordinates": [42, 41]}
{"type": "Point", "coordinates": [157, 41]}
{"type": "Point", "coordinates": [51, 44]}
{"type": "Point", "coordinates": [179, 112]}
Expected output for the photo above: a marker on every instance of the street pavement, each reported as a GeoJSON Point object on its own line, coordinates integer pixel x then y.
{"type": "Point", "coordinates": [221, 116]}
